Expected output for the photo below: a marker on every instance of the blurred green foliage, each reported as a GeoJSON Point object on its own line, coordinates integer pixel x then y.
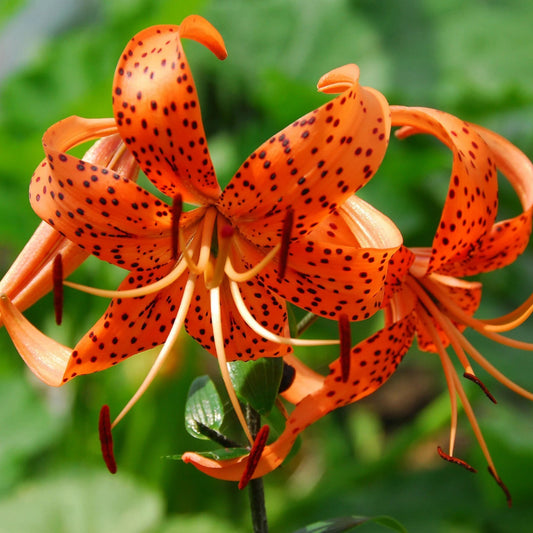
{"type": "Point", "coordinates": [472, 59]}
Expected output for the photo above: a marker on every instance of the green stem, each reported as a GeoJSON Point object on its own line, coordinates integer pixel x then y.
{"type": "Point", "coordinates": [256, 491]}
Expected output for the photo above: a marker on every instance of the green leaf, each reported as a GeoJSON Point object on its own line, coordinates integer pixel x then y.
{"type": "Point", "coordinates": [203, 406]}
{"type": "Point", "coordinates": [257, 382]}
{"type": "Point", "coordinates": [82, 502]}
{"type": "Point", "coordinates": [221, 454]}
{"type": "Point", "coordinates": [346, 523]}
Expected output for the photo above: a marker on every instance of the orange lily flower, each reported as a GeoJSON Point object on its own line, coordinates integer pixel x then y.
{"type": "Point", "coordinates": [425, 295]}
{"type": "Point", "coordinates": [225, 269]}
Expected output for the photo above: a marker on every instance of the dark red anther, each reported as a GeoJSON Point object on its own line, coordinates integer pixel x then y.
{"type": "Point", "coordinates": [502, 485]}
{"type": "Point", "coordinates": [285, 241]}
{"type": "Point", "coordinates": [345, 338]}
{"type": "Point", "coordinates": [57, 277]}
{"type": "Point", "coordinates": [455, 460]}
{"type": "Point", "coordinates": [106, 439]}
{"type": "Point", "coordinates": [255, 455]}
{"type": "Point", "coordinates": [177, 209]}
{"type": "Point", "coordinates": [481, 385]}
{"type": "Point", "coordinates": [226, 231]}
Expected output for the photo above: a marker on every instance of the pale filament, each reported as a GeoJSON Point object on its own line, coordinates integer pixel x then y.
{"type": "Point", "coordinates": [241, 277]}
{"type": "Point", "coordinates": [511, 320]}
{"type": "Point", "coordinates": [449, 372]}
{"type": "Point", "coordinates": [221, 356]}
{"type": "Point", "coordinates": [437, 315]}
{"type": "Point", "coordinates": [206, 232]}
{"type": "Point", "coordinates": [165, 350]}
{"type": "Point", "coordinates": [461, 316]}
{"type": "Point", "coordinates": [156, 286]}
{"type": "Point", "coordinates": [456, 387]}
{"type": "Point", "coordinates": [267, 334]}
{"type": "Point", "coordinates": [494, 372]}
{"type": "Point", "coordinates": [457, 338]}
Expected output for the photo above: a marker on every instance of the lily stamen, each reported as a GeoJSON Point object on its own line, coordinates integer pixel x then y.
{"type": "Point", "coordinates": [222, 362]}
{"type": "Point", "coordinates": [511, 320]}
{"type": "Point", "coordinates": [254, 456]}
{"type": "Point", "coordinates": [177, 209]}
{"type": "Point", "coordinates": [481, 385]}
{"type": "Point", "coordinates": [462, 317]}
{"type": "Point", "coordinates": [57, 276]}
{"type": "Point", "coordinates": [241, 277]}
{"type": "Point", "coordinates": [267, 334]}
{"type": "Point", "coordinates": [502, 485]}
{"type": "Point", "coordinates": [285, 241]}
{"type": "Point", "coordinates": [151, 288]}
{"type": "Point", "coordinates": [106, 439]}
{"type": "Point", "coordinates": [214, 278]}
{"type": "Point", "coordinates": [346, 346]}
{"type": "Point", "coordinates": [166, 350]}
{"type": "Point", "coordinates": [455, 460]}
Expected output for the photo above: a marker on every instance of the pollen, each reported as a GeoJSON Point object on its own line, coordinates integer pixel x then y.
{"type": "Point", "coordinates": [106, 439]}
{"type": "Point", "coordinates": [57, 276]}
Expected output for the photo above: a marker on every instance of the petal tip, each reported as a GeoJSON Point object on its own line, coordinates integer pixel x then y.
{"type": "Point", "coordinates": [199, 29]}
{"type": "Point", "coordinates": [338, 80]}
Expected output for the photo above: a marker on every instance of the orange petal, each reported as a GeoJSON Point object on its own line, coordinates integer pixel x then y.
{"type": "Point", "coordinates": [129, 325]}
{"type": "Point", "coordinates": [30, 276]}
{"type": "Point", "coordinates": [104, 212]}
{"type": "Point", "coordinates": [241, 342]}
{"type": "Point", "coordinates": [507, 239]}
{"type": "Point", "coordinates": [46, 358]}
{"type": "Point", "coordinates": [340, 266]}
{"type": "Point", "coordinates": [373, 361]}
{"type": "Point", "coordinates": [198, 29]}
{"type": "Point", "coordinates": [471, 204]}
{"type": "Point", "coordinates": [312, 166]}
{"type": "Point", "coordinates": [157, 110]}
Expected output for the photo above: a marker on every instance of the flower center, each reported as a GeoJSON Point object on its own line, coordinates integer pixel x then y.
{"type": "Point", "coordinates": [206, 252]}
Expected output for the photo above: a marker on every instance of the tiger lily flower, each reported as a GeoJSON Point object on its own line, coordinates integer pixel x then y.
{"type": "Point", "coordinates": [425, 295]}
{"type": "Point", "coordinates": [225, 269]}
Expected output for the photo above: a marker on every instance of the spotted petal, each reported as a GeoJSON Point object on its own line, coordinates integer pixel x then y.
{"type": "Point", "coordinates": [46, 358]}
{"type": "Point", "coordinates": [104, 212]}
{"type": "Point", "coordinates": [372, 362]}
{"type": "Point", "coordinates": [313, 165]}
{"type": "Point", "coordinates": [129, 325]}
{"type": "Point", "coordinates": [340, 267]}
{"type": "Point", "coordinates": [157, 111]}
{"type": "Point", "coordinates": [241, 342]}
{"type": "Point", "coordinates": [507, 239]}
{"type": "Point", "coordinates": [471, 204]}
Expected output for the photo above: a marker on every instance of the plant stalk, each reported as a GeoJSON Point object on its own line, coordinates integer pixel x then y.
{"type": "Point", "coordinates": [256, 491]}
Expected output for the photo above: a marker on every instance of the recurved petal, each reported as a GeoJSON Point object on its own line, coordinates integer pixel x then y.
{"type": "Point", "coordinates": [471, 204]}
{"type": "Point", "coordinates": [508, 238]}
{"type": "Point", "coordinates": [340, 266]}
{"type": "Point", "coordinates": [372, 362]}
{"type": "Point", "coordinates": [45, 357]}
{"type": "Point", "coordinates": [129, 325]}
{"type": "Point", "coordinates": [30, 276]}
{"type": "Point", "coordinates": [157, 110]}
{"type": "Point", "coordinates": [104, 212]}
{"type": "Point", "coordinates": [313, 165]}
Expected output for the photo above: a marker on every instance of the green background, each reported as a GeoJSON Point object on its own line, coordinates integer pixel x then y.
{"type": "Point", "coordinates": [470, 58]}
